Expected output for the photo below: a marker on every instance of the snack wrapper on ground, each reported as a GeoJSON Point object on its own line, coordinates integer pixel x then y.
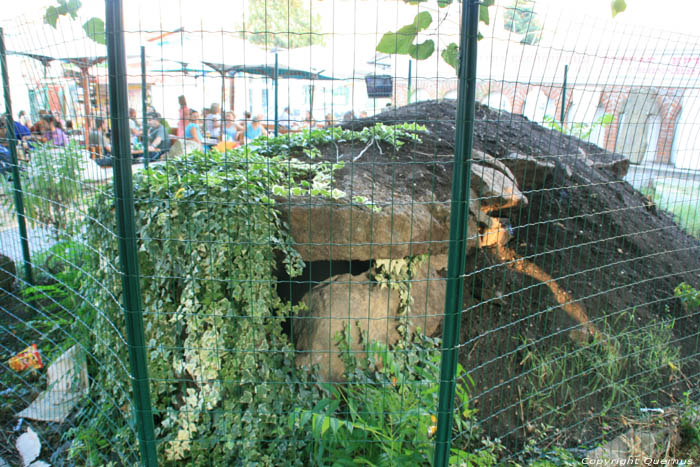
{"type": "Point", "coordinates": [28, 358]}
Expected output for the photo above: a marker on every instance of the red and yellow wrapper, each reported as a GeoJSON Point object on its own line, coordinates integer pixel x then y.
{"type": "Point", "coordinates": [28, 358]}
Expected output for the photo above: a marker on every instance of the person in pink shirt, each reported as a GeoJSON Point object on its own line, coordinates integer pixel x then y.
{"type": "Point", "coordinates": [183, 117]}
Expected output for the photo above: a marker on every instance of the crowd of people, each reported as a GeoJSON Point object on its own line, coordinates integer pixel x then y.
{"type": "Point", "coordinates": [210, 128]}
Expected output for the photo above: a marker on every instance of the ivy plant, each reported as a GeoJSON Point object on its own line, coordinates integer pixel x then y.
{"type": "Point", "coordinates": [222, 375]}
{"type": "Point", "coordinates": [221, 370]}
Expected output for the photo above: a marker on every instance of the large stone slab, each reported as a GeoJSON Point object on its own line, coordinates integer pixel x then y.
{"type": "Point", "coordinates": [364, 306]}
{"type": "Point", "coordinates": [325, 229]}
{"type": "Point", "coordinates": [400, 223]}
{"type": "Point", "coordinates": [530, 173]}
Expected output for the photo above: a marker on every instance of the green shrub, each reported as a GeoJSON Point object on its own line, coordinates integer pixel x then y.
{"type": "Point", "coordinates": [688, 295]}
{"type": "Point", "coordinates": [221, 371]}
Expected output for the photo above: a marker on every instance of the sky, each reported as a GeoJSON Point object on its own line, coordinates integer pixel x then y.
{"type": "Point", "coordinates": [676, 15]}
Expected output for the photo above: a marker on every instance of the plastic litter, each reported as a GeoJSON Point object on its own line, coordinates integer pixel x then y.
{"type": "Point", "coordinates": [28, 358]}
{"type": "Point", "coordinates": [67, 382]}
{"type": "Point", "coordinates": [29, 447]}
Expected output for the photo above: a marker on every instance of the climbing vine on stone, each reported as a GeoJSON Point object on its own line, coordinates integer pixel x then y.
{"type": "Point", "coordinates": [397, 274]}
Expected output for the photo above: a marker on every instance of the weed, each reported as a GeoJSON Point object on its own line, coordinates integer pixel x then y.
{"type": "Point", "coordinates": [579, 130]}
{"type": "Point", "coordinates": [384, 414]}
{"type": "Point", "coordinates": [610, 376]}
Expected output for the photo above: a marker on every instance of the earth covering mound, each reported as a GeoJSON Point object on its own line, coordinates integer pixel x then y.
{"type": "Point", "coordinates": [603, 243]}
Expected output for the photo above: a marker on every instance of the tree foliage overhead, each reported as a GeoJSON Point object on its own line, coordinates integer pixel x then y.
{"type": "Point", "coordinates": [520, 18]}
{"type": "Point", "coordinates": [284, 24]}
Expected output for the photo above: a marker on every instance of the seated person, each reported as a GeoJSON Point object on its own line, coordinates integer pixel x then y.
{"type": "Point", "coordinates": [158, 143]}
{"type": "Point", "coordinates": [231, 127]}
{"type": "Point", "coordinates": [39, 128]}
{"type": "Point", "coordinates": [192, 130]}
{"type": "Point", "coordinates": [5, 158]}
{"type": "Point", "coordinates": [22, 133]}
{"type": "Point", "coordinates": [134, 125]}
{"type": "Point", "coordinates": [98, 140]}
{"type": "Point", "coordinates": [212, 123]}
{"type": "Point", "coordinates": [255, 129]}
{"type": "Point", "coordinates": [54, 134]}
{"type": "Point", "coordinates": [285, 120]}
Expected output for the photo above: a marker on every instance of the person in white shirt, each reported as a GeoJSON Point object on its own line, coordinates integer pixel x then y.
{"type": "Point", "coordinates": [285, 119]}
{"type": "Point", "coordinates": [212, 124]}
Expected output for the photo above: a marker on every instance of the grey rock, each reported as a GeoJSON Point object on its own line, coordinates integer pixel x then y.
{"type": "Point", "coordinates": [530, 173]}
{"type": "Point", "coordinates": [494, 189]}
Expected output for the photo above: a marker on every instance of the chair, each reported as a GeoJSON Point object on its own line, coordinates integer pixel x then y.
{"type": "Point", "coordinates": [95, 152]}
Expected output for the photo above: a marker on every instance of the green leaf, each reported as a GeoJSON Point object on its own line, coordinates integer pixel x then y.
{"type": "Point", "coordinates": [451, 55]}
{"type": "Point", "coordinates": [95, 30]}
{"type": "Point", "coordinates": [51, 16]}
{"type": "Point", "coordinates": [444, 3]}
{"type": "Point", "coordinates": [423, 50]}
{"type": "Point", "coordinates": [72, 8]}
{"type": "Point", "coordinates": [401, 41]}
{"type": "Point", "coordinates": [484, 13]}
{"type": "Point", "coordinates": [618, 6]}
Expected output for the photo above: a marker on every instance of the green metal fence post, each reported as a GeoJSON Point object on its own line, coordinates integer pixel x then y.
{"type": "Point", "coordinates": [410, 72]}
{"type": "Point", "coordinates": [17, 184]}
{"type": "Point", "coordinates": [563, 96]}
{"type": "Point", "coordinates": [277, 121]}
{"type": "Point", "coordinates": [461, 179]}
{"type": "Point", "coordinates": [144, 118]}
{"type": "Point", "coordinates": [124, 200]}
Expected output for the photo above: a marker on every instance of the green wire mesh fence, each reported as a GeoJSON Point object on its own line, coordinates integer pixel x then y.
{"type": "Point", "coordinates": [289, 232]}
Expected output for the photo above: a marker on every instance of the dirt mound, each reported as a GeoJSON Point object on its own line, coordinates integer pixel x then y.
{"type": "Point", "coordinates": [593, 233]}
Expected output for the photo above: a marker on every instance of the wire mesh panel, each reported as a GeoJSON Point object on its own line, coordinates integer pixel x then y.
{"type": "Point", "coordinates": [575, 334]}
{"type": "Point", "coordinates": [279, 233]}
{"type": "Point", "coordinates": [65, 381]}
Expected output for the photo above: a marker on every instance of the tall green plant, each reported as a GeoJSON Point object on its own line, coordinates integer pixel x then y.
{"type": "Point", "coordinates": [384, 413]}
{"type": "Point", "coordinates": [405, 41]}
{"type": "Point", "coordinates": [52, 187]}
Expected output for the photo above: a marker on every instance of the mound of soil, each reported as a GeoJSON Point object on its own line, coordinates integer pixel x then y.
{"type": "Point", "coordinates": [599, 239]}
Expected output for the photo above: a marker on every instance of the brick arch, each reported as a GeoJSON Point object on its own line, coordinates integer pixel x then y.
{"type": "Point", "coordinates": [519, 95]}
{"type": "Point", "coordinates": [491, 87]}
{"type": "Point", "coordinates": [449, 90]}
{"type": "Point", "coordinates": [611, 100]}
{"type": "Point", "coordinates": [670, 104]}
